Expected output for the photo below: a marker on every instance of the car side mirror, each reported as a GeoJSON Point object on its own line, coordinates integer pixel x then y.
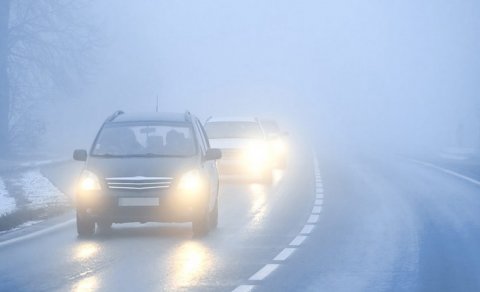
{"type": "Point", "coordinates": [213, 154]}
{"type": "Point", "coordinates": [80, 155]}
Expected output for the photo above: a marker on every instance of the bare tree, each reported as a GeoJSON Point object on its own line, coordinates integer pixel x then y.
{"type": "Point", "coordinates": [4, 84]}
{"type": "Point", "coordinates": [45, 46]}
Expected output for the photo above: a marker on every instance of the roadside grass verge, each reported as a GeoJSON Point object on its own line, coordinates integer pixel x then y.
{"type": "Point", "coordinates": [23, 215]}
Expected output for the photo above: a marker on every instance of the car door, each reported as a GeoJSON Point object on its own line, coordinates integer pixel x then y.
{"type": "Point", "coordinates": [209, 166]}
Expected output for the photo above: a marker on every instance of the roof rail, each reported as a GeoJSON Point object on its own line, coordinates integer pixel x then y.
{"type": "Point", "coordinates": [114, 116]}
{"type": "Point", "coordinates": [188, 116]}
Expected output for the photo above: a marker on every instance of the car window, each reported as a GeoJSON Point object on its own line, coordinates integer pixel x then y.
{"type": "Point", "coordinates": [205, 136]}
{"type": "Point", "coordinates": [200, 136]}
{"type": "Point", "coordinates": [270, 127]}
{"type": "Point", "coordinates": [145, 139]}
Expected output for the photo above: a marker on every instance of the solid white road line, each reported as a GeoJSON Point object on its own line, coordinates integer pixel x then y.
{"type": "Point", "coordinates": [298, 240]}
{"type": "Point", "coordinates": [37, 233]}
{"type": "Point", "coordinates": [313, 219]}
{"type": "Point", "coordinates": [318, 202]}
{"type": "Point", "coordinates": [264, 272]}
{"type": "Point", "coordinates": [307, 229]}
{"type": "Point", "coordinates": [317, 209]}
{"type": "Point", "coordinates": [284, 254]}
{"type": "Point", "coordinates": [244, 288]}
{"type": "Point", "coordinates": [458, 175]}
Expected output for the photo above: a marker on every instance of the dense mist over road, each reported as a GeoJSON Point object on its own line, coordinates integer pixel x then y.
{"type": "Point", "coordinates": [401, 74]}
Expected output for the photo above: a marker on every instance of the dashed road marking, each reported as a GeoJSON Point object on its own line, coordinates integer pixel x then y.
{"type": "Point", "coordinates": [244, 288]}
{"type": "Point", "coordinates": [317, 209]}
{"type": "Point", "coordinates": [313, 219]}
{"type": "Point", "coordinates": [264, 272]}
{"type": "Point", "coordinates": [298, 240]}
{"type": "Point", "coordinates": [284, 254]}
{"type": "Point", "coordinates": [307, 229]}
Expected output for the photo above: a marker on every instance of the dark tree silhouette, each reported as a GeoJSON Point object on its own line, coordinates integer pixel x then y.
{"type": "Point", "coordinates": [45, 46]}
{"type": "Point", "coordinates": [4, 83]}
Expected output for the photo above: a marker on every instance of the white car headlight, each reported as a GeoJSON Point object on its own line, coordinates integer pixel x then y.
{"type": "Point", "coordinates": [191, 182]}
{"type": "Point", "coordinates": [89, 182]}
{"type": "Point", "coordinates": [257, 153]}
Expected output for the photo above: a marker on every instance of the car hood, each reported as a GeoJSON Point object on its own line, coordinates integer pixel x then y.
{"type": "Point", "coordinates": [232, 143]}
{"type": "Point", "coordinates": [141, 166]}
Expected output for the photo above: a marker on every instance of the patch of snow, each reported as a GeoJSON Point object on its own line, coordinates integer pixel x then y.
{"type": "Point", "coordinates": [39, 190]}
{"type": "Point", "coordinates": [7, 203]}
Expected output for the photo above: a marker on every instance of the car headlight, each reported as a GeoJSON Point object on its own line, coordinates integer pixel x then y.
{"type": "Point", "coordinates": [191, 182]}
{"type": "Point", "coordinates": [257, 153]}
{"type": "Point", "coordinates": [89, 182]}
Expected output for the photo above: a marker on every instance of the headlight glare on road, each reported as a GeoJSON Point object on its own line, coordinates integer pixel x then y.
{"type": "Point", "coordinates": [191, 182]}
{"type": "Point", "coordinates": [89, 182]}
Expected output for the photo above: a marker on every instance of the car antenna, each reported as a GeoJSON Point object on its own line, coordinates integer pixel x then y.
{"type": "Point", "coordinates": [156, 109]}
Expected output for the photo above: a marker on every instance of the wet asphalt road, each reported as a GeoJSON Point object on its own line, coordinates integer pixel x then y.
{"type": "Point", "coordinates": [384, 224]}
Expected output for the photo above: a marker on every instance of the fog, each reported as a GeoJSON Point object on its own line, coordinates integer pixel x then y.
{"type": "Point", "coordinates": [397, 75]}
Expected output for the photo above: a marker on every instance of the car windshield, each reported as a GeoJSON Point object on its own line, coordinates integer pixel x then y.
{"type": "Point", "coordinates": [241, 130]}
{"type": "Point", "coordinates": [145, 139]}
{"type": "Point", "coordinates": [270, 127]}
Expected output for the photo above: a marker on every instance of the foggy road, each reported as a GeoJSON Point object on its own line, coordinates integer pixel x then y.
{"type": "Point", "coordinates": [373, 106]}
{"type": "Point", "coordinates": [383, 225]}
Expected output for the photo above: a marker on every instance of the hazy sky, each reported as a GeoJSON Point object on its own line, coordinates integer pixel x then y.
{"type": "Point", "coordinates": [380, 70]}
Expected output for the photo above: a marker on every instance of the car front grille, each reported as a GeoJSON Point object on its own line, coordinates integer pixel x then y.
{"type": "Point", "coordinates": [138, 183]}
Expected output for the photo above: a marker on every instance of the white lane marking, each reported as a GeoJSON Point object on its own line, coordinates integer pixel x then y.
{"type": "Point", "coordinates": [313, 219]}
{"type": "Point", "coordinates": [307, 229]}
{"type": "Point", "coordinates": [264, 272]}
{"type": "Point", "coordinates": [298, 240]}
{"type": "Point", "coordinates": [37, 233]}
{"type": "Point", "coordinates": [456, 174]}
{"type": "Point", "coordinates": [317, 209]}
{"type": "Point", "coordinates": [284, 254]}
{"type": "Point", "coordinates": [244, 288]}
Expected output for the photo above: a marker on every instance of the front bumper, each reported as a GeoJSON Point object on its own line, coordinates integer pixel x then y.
{"type": "Point", "coordinates": [172, 206]}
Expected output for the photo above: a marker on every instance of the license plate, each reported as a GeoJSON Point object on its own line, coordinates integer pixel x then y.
{"type": "Point", "coordinates": [138, 202]}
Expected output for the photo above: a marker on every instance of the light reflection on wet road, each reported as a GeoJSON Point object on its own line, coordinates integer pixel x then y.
{"type": "Point", "coordinates": [369, 235]}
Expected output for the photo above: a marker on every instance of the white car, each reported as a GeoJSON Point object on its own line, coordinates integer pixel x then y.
{"type": "Point", "coordinates": [245, 147]}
